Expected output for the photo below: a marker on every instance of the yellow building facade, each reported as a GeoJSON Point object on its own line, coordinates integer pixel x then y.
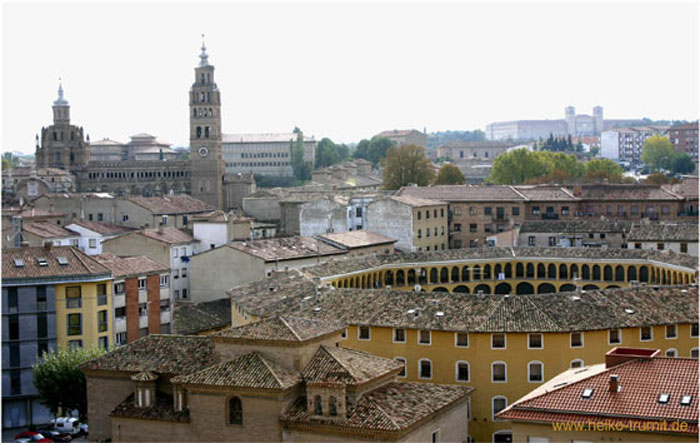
{"type": "Point", "coordinates": [84, 314]}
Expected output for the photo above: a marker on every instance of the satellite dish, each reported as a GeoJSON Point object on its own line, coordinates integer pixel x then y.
{"type": "Point", "coordinates": [417, 288]}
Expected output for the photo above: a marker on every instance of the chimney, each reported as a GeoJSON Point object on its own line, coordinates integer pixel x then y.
{"type": "Point", "coordinates": [614, 383]}
{"type": "Point", "coordinates": [577, 190]}
{"type": "Point", "coordinates": [620, 355]}
{"type": "Point", "coordinates": [48, 245]}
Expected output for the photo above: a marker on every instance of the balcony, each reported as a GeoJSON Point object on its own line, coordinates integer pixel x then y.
{"type": "Point", "coordinates": [119, 301]}
{"type": "Point", "coordinates": [164, 317]}
{"type": "Point", "coordinates": [499, 217]}
{"type": "Point", "coordinates": [143, 321]}
{"type": "Point", "coordinates": [119, 324]}
{"type": "Point", "coordinates": [550, 216]}
{"type": "Point", "coordinates": [688, 214]}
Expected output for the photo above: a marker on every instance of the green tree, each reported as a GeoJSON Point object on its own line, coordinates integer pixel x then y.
{"type": "Point", "coordinates": [5, 164]}
{"type": "Point", "coordinates": [517, 166]}
{"type": "Point", "coordinates": [449, 174]}
{"type": "Point", "coordinates": [681, 163]}
{"type": "Point", "coordinates": [657, 178]}
{"type": "Point", "coordinates": [59, 382]}
{"type": "Point", "coordinates": [658, 152]}
{"type": "Point", "coordinates": [407, 164]}
{"type": "Point", "coordinates": [601, 169]}
{"type": "Point", "coordinates": [328, 153]}
{"type": "Point", "coordinates": [373, 150]}
{"type": "Point", "coordinates": [302, 170]}
{"type": "Point", "coordinates": [12, 160]}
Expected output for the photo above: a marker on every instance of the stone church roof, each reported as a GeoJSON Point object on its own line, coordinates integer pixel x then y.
{"type": "Point", "coordinates": [281, 329]}
{"type": "Point", "coordinates": [347, 366]}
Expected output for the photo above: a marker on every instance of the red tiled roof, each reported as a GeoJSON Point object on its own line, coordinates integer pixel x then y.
{"type": "Point", "coordinates": [286, 248]}
{"type": "Point", "coordinates": [47, 229]}
{"type": "Point", "coordinates": [127, 266]}
{"type": "Point", "coordinates": [168, 234]}
{"type": "Point", "coordinates": [624, 192]}
{"type": "Point", "coordinates": [358, 239]}
{"type": "Point", "coordinates": [102, 228]}
{"type": "Point", "coordinates": [77, 263]}
{"type": "Point", "coordinates": [641, 381]}
{"type": "Point", "coordinates": [462, 192]}
{"type": "Point", "coordinates": [415, 201]}
{"type": "Point", "coordinates": [288, 329]}
{"type": "Point", "coordinates": [331, 364]}
{"type": "Point", "coordinates": [172, 204]}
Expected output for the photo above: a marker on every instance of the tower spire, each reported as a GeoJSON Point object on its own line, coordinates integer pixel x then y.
{"type": "Point", "coordinates": [203, 57]}
{"type": "Point", "coordinates": [60, 101]}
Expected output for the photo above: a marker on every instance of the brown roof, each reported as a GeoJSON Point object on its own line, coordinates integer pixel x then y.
{"type": "Point", "coordinates": [546, 193]}
{"type": "Point", "coordinates": [172, 204]}
{"type": "Point", "coordinates": [347, 366]}
{"type": "Point", "coordinates": [279, 249]}
{"type": "Point", "coordinates": [686, 232]}
{"type": "Point", "coordinates": [47, 229]}
{"type": "Point", "coordinates": [78, 264]}
{"type": "Point", "coordinates": [688, 188]}
{"type": "Point", "coordinates": [167, 234]}
{"type": "Point", "coordinates": [281, 329]}
{"type": "Point", "coordinates": [397, 132]}
{"type": "Point", "coordinates": [692, 125]}
{"type": "Point", "coordinates": [26, 213]}
{"type": "Point", "coordinates": [358, 239]}
{"type": "Point", "coordinates": [161, 354]}
{"type": "Point", "coordinates": [122, 267]}
{"type": "Point", "coordinates": [642, 380]}
{"type": "Point", "coordinates": [193, 318]}
{"type": "Point", "coordinates": [162, 409]}
{"type": "Point", "coordinates": [392, 407]}
{"type": "Point", "coordinates": [576, 226]}
{"type": "Point", "coordinates": [251, 370]}
{"type": "Point", "coordinates": [624, 192]}
{"type": "Point", "coordinates": [416, 201]}
{"type": "Point", "coordinates": [102, 228]}
{"type": "Point", "coordinates": [144, 376]}
{"type": "Point", "coordinates": [462, 192]}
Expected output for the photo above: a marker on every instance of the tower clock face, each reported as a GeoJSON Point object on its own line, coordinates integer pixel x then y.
{"type": "Point", "coordinates": [203, 151]}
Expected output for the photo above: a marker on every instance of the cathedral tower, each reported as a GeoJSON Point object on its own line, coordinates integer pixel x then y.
{"type": "Point", "coordinates": [62, 144]}
{"type": "Point", "coordinates": [207, 167]}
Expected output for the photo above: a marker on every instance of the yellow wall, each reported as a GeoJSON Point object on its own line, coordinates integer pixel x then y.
{"type": "Point", "coordinates": [522, 431]}
{"type": "Point", "coordinates": [88, 310]}
{"type": "Point", "coordinates": [556, 356]}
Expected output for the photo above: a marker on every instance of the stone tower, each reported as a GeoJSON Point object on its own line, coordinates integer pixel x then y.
{"type": "Point", "coordinates": [207, 166]}
{"type": "Point", "coordinates": [570, 117]}
{"type": "Point", "coordinates": [62, 144]}
{"type": "Point", "coordinates": [598, 116]}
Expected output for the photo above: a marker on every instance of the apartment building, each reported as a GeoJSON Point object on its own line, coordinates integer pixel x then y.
{"type": "Point", "coordinates": [92, 234]}
{"type": "Point", "coordinates": [52, 298]}
{"type": "Point", "coordinates": [168, 246]}
{"type": "Point", "coordinates": [685, 138]}
{"type": "Point", "coordinates": [264, 154]}
{"type": "Point", "coordinates": [626, 144]}
{"type": "Point", "coordinates": [141, 297]}
{"type": "Point", "coordinates": [681, 238]}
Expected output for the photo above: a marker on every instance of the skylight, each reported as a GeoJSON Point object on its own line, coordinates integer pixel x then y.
{"type": "Point", "coordinates": [663, 398]}
{"type": "Point", "coordinates": [19, 263]}
{"type": "Point", "coordinates": [587, 393]}
{"type": "Point", "coordinates": [63, 261]}
{"type": "Point", "coordinates": [42, 262]}
{"type": "Point", "coordinates": [686, 400]}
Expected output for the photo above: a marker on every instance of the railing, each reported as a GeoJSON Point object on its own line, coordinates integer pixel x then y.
{"type": "Point", "coordinates": [688, 214]}
{"type": "Point", "coordinates": [119, 324]}
{"type": "Point", "coordinates": [550, 216]}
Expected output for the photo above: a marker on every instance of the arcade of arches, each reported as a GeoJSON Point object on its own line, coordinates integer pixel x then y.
{"type": "Point", "coordinates": [513, 276]}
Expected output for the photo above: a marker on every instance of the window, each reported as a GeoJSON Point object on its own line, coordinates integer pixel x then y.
{"type": "Point", "coordinates": [671, 352]}
{"type": "Point", "coordinates": [363, 333]}
{"type": "Point", "coordinates": [344, 334]}
{"type": "Point", "coordinates": [531, 240]}
{"type": "Point", "coordinates": [119, 312]}
{"type": "Point", "coordinates": [75, 324]}
{"type": "Point", "coordinates": [142, 284]}
{"type": "Point", "coordinates": [462, 339]}
{"type": "Point", "coordinates": [694, 330]}
{"type": "Point", "coordinates": [473, 210]}
{"type": "Point", "coordinates": [552, 241]}
{"type": "Point", "coordinates": [399, 336]}
{"type": "Point", "coordinates": [89, 217]}
{"type": "Point", "coordinates": [671, 332]}
{"type": "Point", "coordinates": [101, 294]}
{"type": "Point", "coordinates": [686, 400]}
{"type": "Point", "coordinates": [174, 252]}
{"type": "Point", "coordinates": [164, 281]}
{"type": "Point", "coordinates": [176, 293]}
{"type": "Point", "coordinates": [420, 233]}
{"type": "Point", "coordinates": [40, 298]}
{"type": "Point", "coordinates": [694, 353]}
{"type": "Point", "coordinates": [534, 341]}
{"type": "Point", "coordinates": [535, 210]}
{"type": "Point", "coordinates": [176, 273]}
{"type": "Point", "coordinates": [183, 252]}
{"type": "Point", "coordinates": [14, 355]}
{"type": "Point", "coordinates": [564, 210]}
{"type": "Point", "coordinates": [646, 333]}
{"type": "Point", "coordinates": [235, 411]}
{"type": "Point", "coordinates": [498, 341]}
{"type": "Point", "coordinates": [442, 212]}
{"type": "Point", "coordinates": [103, 342]}
{"type": "Point", "coordinates": [125, 217]}
{"type": "Point", "coordinates": [577, 339]}
{"type": "Point", "coordinates": [73, 298]}
{"type": "Point", "coordinates": [15, 382]}
{"type": "Point", "coordinates": [119, 288]}
{"type": "Point", "coordinates": [499, 372]}
{"type": "Point", "coordinates": [42, 328]}
{"type": "Point", "coordinates": [427, 232]}
{"type": "Point", "coordinates": [427, 214]}
{"type": "Point", "coordinates": [535, 372]}
{"type": "Point", "coordinates": [403, 370]}
{"type": "Point", "coordinates": [488, 210]}
{"type": "Point", "coordinates": [660, 246]}
{"type": "Point", "coordinates": [425, 368]}
{"type": "Point", "coordinates": [101, 321]}
{"type": "Point", "coordinates": [515, 210]}
{"type": "Point", "coordinates": [488, 228]}
{"type": "Point", "coordinates": [100, 217]}
{"type": "Point", "coordinates": [12, 301]}
{"type": "Point", "coordinates": [424, 337]}
{"type": "Point", "coordinates": [435, 436]}
{"type": "Point", "coordinates": [498, 404]}
{"type": "Point", "coordinates": [92, 243]}
{"type": "Point", "coordinates": [473, 227]}
{"type": "Point", "coordinates": [684, 248]}
{"type": "Point", "coordinates": [614, 337]}
{"type": "Point", "coordinates": [120, 338]}
{"type": "Point", "coordinates": [462, 371]}
{"type": "Point", "coordinates": [578, 363]}
{"type": "Point", "coordinates": [457, 227]}
{"type": "Point", "coordinates": [143, 309]}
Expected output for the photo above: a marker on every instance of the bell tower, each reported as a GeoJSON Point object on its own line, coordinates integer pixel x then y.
{"type": "Point", "coordinates": [207, 166]}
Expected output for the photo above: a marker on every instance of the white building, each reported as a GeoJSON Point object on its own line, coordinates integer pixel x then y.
{"type": "Point", "coordinates": [681, 238]}
{"type": "Point", "coordinates": [626, 144]}
{"type": "Point", "coordinates": [264, 154]}
{"type": "Point", "coordinates": [217, 228]}
{"type": "Point", "coordinates": [92, 234]}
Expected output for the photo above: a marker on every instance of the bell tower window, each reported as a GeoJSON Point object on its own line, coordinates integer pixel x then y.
{"type": "Point", "coordinates": [235, 411]}
{"type": "Point", "coordinates": [318, 405]}
{"type": "Point", "coordinates": [199, 132]}
{"type": "Point", "coordinates": [206, 132]}
{"type": "Point", "coordinates": [201, 96]}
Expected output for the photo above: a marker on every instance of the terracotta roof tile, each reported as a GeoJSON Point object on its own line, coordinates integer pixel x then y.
{"type": "Point", "coordinates": [47, 229]}
{"type": "Point", "coordinates": [279, 249]}
{"type": "Point", "coordinates": [129, 266]}
{"type": "Point", "coordinates": [641, 381]}
{"type": "Point", "coordinates": [415, 201]}
{"type": "Point", "coordinates": [102, 228]}
{"type": "Point", "coordinates": [392, 407]}
{"type": "Point", "coordinates": [453, 193]}
{"type": "Point", "coordinates": [144, 376]}
{"type": "Point", "coordinates": [168, 234]}
{"type": "Point", "coordinates": [78, 264]}
{"type": "Point", "coordinates": [332, 364]}
{"type": "Point", "coordinates": [172, 204]}
{"type": "Point", "coordinates": [624, 192]}
{"type": "Point", "coordinates": [161, 354]}
{"type": "Point", "coordinates": [193, 318]}
{"type": "Point", "coordinates": [357, 239]}
{"type": "Point", "coordinates": [687, 232]}
{"type": "Point", "coordinates": [285, 329]}
{"type": "Point", "coordinates": [251, 370]}
{"type": "Point", "coordinates": [162, 409]}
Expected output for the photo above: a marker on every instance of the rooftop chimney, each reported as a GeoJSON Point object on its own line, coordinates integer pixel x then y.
{"type": "Point", "coordinates": [620, 355]}
{"type": "Point", "coordinates": [614, 383]}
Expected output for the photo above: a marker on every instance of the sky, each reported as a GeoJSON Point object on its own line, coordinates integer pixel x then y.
{"type": "Point", "coordinates": [343, 71]}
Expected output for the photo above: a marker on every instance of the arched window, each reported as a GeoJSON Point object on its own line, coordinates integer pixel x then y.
{"type": "Point", "coordinates": [498, 403]}
{"type": "Point", "coordinates": [332, 406]}
{"type": "Point", "coordinates": [235, 411]}
{"type": "Point", "coordinates": [499, 372]}
{"type": "Point", "coordinates": [199, 132]}
{"type": "Point", "coordinates": [401, 360]}
{"type": "Point", "coordinates": [577, 363]}
{"type": "Point", "coordinates": [201, 96]}
{"type": "Point", "coordinates": [563, 272]}
{"type": "Point", "coordinates": [671, 352]}
{"type": "Point", "coordinates": [318, 405]}
{"type": "Point", "coordinates": [203, 77]}
{"type": "Point", "coordinates": [425, 368]}
{"type": "Point", "coordinates": [530, 270]}
{"type": "Point", "coordinates": [206, 132]}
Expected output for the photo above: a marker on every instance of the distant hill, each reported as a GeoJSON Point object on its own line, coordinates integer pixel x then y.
{"type": "Point", "coordinates": [436, 139]}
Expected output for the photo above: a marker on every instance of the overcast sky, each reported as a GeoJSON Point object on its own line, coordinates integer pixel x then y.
{"type": "Point", "coordinates": [344, 71]}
